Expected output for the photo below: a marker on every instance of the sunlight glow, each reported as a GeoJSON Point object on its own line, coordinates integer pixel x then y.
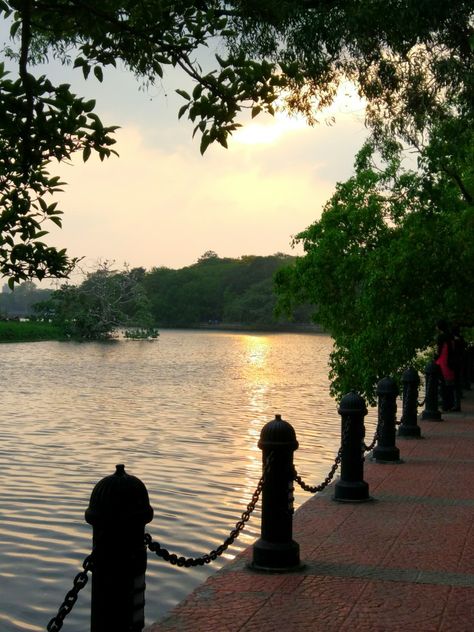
{"type": "Point", "coordinates": [346, 102]}
{"type": "Point", "coordinates": [266, 133]}
{"type": "Point", "coordinates": [257, 348]}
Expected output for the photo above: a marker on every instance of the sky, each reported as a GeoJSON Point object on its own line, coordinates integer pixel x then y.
{"type": "Point", "coordinates": [163, 204]}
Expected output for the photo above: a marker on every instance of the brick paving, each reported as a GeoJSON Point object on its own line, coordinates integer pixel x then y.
{"type": "Point", "coordinates": [402, 562]}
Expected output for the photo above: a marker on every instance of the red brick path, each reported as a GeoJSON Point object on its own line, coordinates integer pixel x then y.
{"type": "Point", "coordinates": [403, 562]}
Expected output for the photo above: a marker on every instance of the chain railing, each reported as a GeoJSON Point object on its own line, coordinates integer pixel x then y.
{"type": "Point", "coordinates": [80, 580]}
{"type": "Point", "coordinates": [275, 487]}
{"type": "Point", "coordinates": [371, 446]}
{"type": "Point", "coordinates": [187, 562]}
{"type": "Point", "coordinates": [313, 489]}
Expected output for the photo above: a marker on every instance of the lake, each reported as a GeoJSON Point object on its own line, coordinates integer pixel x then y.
{"type": "Point", "coordinates": [183, 413]}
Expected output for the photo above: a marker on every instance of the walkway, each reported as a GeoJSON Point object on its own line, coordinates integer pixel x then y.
{"type": "Point", "coordinates": [403, 562]}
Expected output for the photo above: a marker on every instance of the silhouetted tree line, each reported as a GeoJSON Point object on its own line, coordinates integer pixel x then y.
{"type": "Point", "coordinates": [212, 291]}
{"type": "Point", "coordinates": [218, 290]}
{"type": "Point", "coordinates": [20, 303]}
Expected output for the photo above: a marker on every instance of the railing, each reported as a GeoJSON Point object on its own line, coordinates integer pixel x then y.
{"type": "Point", "coordinates": [119, 506]}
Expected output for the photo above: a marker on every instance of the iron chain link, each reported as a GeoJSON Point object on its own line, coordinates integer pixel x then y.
{"type": "Point", "coordinates": [371, 446]}
{"type": "Point", "coordinates": [319, 488]}
{"type": "Point", "coordinates": [80, 580]}
{"type": "Point", "coordinates": [327, 480]}
{"type": "Point", "coordinates": [187, 562]}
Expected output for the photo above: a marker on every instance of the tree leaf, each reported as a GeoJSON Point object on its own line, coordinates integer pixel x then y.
{"type": "Point", "coordinates": [184, 94]}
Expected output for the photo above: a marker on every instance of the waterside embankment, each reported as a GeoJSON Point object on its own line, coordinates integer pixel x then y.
{"type": "Point", "coordinates": [402, 562]}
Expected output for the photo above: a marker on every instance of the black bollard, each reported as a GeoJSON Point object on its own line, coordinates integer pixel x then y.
{"type": "Point", "coordinates": [386, 451]}
{"type": "Point", "coordinates": [466, 370]}
{"type": "Point", "coordinates": [469, 366]}
{"type": "Point", "coordinates": [118, 510]}
{"type": "Point", "coordinates": [409, 423]}
{"type": "Point", "coordinates": [276, 550]}
{"type": "Point", "coordinates": [351, 486]}
{"type": "Point", "coordinates": [431, 412]}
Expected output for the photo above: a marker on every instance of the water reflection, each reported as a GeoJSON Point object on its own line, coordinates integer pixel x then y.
{"type": "Point", "coordinates": [184, 414]}
{"type": "Point", "coordinates": [258, 377]}
{"type": "Point", "coordinates": [256, 349]}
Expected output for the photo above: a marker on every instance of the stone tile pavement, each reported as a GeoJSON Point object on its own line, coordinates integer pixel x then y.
{"type": "Point", "coordinates": [402, 562]}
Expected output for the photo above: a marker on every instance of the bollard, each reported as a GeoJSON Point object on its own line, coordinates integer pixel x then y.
{"type": "Point", "coordinates": [466, 370]}
{"type": "Point", "coordinates": [431, 412]}
{"type": "Point", "coordinates": [118, 510]}
{"type": "Point", "coordinates": [386, 451]}
{"type": "Point", "coordinates": [276, 550]}
{"type": "Point", "coordinates": [409, 423]}
{"type": "Point", "coordinates": [351, 486]}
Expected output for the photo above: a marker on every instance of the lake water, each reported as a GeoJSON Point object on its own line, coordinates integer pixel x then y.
{"type": "Point", "coordinates": [183, 414]}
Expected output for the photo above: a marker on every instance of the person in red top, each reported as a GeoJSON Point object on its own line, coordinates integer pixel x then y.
{"type": "Point", "coordinates": [444, 359]}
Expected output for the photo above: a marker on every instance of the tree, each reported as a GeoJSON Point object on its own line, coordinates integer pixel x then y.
{"type": "Point", "coordinates": [392, 253]}
{"type": "Point", "coordinates": [209, 255]}
{"type": "Point", "coordinates": [21, 302]}
{"type": "Point", "coordinates": [214, 289]}
{"type": "Point", "coordinates": [41, 123]}
{"type": "Point", "coordinates": [409, 59]}
{"type": "Point", "coordinates": [93, 310]}
{"type": "Point", "coordinates": [393, 249]}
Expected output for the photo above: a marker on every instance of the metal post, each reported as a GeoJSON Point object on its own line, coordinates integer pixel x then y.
{"type": "Point", "coordinates": [276, 550]}
{"type": "Point", "coordinates": [118, 510]}
{"type": "Point", "coordinates": [409, 423]}
{"type": "Point", "coordinates": [351, 486]}
{"type": "Point", "coordinates": [386, 451]}
{"type": "Point", "coordinates": [431, 412]}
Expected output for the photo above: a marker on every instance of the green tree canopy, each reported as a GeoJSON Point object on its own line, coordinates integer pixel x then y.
{"type": "Point", "coordinates": [411, 60]}
{"type": "Point", "coordinates": [216, 290]}
{"type": "Point", "coordinates": [392, 253]}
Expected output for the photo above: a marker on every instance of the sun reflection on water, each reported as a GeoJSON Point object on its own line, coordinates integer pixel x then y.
{"type": "Point", "coordinates": [184, 415]}
{"type": "Point", "coordinates": [258, 378]}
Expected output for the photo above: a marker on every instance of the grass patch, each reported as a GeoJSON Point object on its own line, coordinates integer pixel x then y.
{"type": "Point", "coordinates": [12, 331]}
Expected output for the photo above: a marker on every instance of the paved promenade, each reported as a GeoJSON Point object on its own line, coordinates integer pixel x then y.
{"type": "Point", "coordinates": [402, 562]}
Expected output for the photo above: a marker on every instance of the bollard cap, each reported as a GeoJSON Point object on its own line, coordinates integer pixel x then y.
{"type": "Point", "coordinates": [278, 433]}
{"type": "Point", "coordinates": [352, 403]}
{"type": "Point", "coordinates": [387, 386]}
{"type": "Point", "coordinates": [119, 498]}
{"type": "Point", "coordinates": [410, 376]}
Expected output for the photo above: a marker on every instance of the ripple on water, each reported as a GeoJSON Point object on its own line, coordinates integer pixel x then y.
{"type": "Point", "coordinates": [183, 414]}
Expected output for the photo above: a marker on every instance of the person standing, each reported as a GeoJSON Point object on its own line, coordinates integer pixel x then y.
{"type": "Point", "coordinates": [444, 359]}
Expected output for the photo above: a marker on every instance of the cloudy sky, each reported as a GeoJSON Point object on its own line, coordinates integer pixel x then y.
{"type": "Point", "coordinates": [163, 204]}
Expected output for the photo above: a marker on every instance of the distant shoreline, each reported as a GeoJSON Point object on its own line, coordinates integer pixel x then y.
{"type": "Point", "coordinates": [31, 331]}
{"type": "Point", "coordinates": [287, 328]}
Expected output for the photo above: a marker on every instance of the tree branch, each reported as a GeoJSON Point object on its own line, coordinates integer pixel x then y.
{"type": "Point", "coordinates": [26, 10]}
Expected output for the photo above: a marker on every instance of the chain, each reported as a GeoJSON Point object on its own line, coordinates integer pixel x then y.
{"type": "Point", "coordinates": [187, 562]}
{"type": "Point", "coordinates": [368, 448]}
{"type": "Point", "coordinates": [327, 480]}
{"type": "Point", "coordinates": [80, 580]}
{"type": "Point", "coordinates": [319, 488]}
{"type": "Point", "coordinates": [380, 424]}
